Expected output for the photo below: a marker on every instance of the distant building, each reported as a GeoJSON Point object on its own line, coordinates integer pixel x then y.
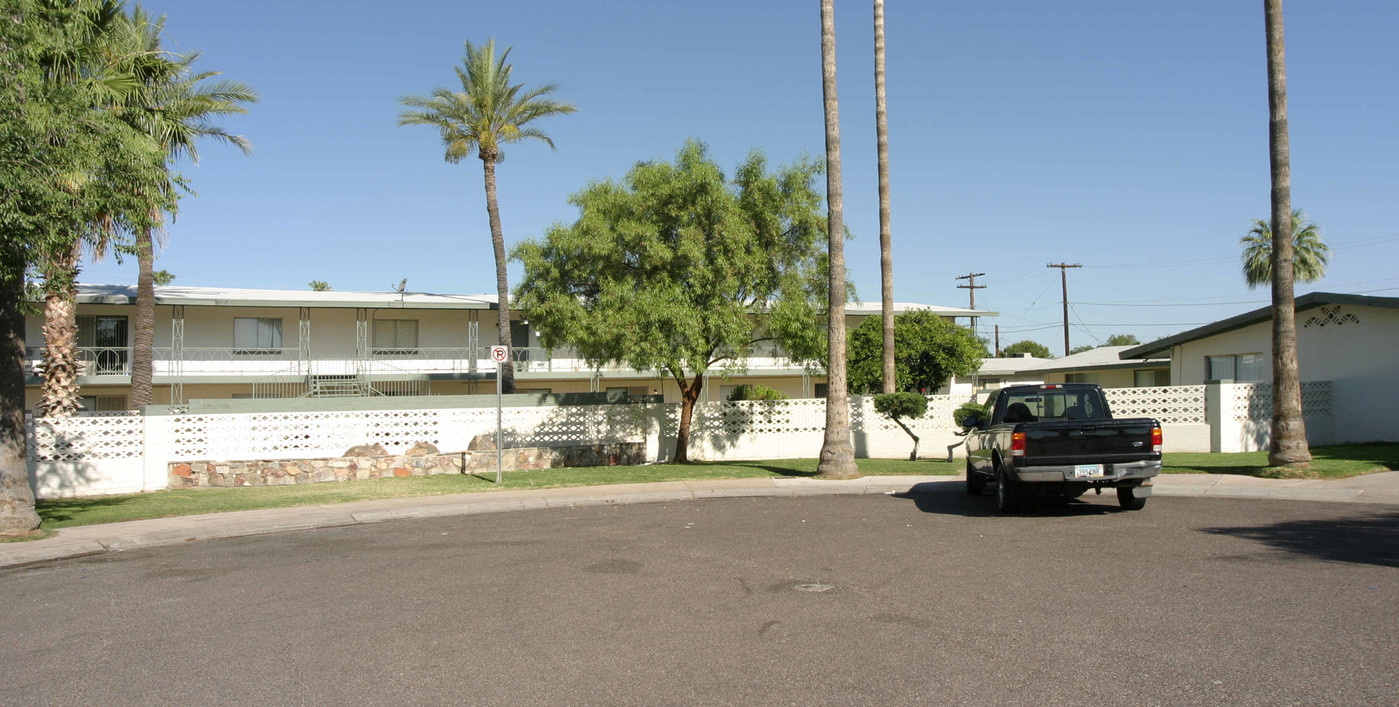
{"type": "Point", "coordinates": [219, 343]}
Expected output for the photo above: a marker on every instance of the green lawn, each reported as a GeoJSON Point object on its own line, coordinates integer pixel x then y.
{"type": "Point", "coordinates": [1327, 462]}
{"type": "Point", "coordinates": [66, 513]}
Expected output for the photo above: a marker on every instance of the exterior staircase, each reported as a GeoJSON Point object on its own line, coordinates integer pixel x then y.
{"type": "Point", "coordinates": [338, 387]}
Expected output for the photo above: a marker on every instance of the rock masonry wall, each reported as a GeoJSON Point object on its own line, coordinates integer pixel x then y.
{"type": "Point", "coordinates": [374, 462]}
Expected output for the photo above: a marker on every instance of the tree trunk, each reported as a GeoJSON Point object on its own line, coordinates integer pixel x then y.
{"type": "Point", "coordinates": [914, 456]}
{"type": "Point", "coordinates": [837, 453]}
{"type": "Point", "coordinates": [507, 369]}
{"type": "Point", "coordinates": [1289, 433]}
{"type": "Point", "coordinates": [689, 395]}
{"type": "Point", "coordinates": [886, 234]}
{"type": "Point", "coordinates": [17, 514]}
{"type": "Point", "coordinates": [60, 373]}
{"type": "Point", "coordinates": [143, 342]}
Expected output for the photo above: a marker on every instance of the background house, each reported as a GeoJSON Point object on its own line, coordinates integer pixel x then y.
{"type": "Point", "coordinates": [1103, 366]}
{"type": "Point", "coordinates": [1350, 340]}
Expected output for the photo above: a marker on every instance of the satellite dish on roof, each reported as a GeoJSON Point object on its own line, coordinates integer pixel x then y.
{"type": "Point", "coordinates": [401, 284]}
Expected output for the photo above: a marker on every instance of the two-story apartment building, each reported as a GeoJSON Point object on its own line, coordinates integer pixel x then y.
{"type": "Point", "coordinates": [217, 343]}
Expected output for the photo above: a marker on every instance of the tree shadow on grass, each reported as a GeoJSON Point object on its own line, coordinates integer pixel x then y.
{"type": "Point", "coordinates": [60, 510]}
{"type": "Point", "coordinates": [774, 469]}
{"type": "Point", "coordinates": [1237, 470]}
{"type": "Point", "coordinates": [1371, 539]}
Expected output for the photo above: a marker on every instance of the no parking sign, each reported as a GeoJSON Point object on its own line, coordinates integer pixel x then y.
{"type": "Point", "coordinates": [500, 353]}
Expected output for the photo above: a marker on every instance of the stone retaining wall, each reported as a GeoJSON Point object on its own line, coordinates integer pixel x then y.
{"type": "Point", "coordinates": [423, 459]}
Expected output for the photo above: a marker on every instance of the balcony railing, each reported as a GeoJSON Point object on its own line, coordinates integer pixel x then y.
{"type": "Point", "coordinates": [92, 360]}
{"type": "Point", "coordinates": [263, 362]}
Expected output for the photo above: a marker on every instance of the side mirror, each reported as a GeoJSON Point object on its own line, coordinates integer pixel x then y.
{"type": "Point", "coordinates": [971, 422]}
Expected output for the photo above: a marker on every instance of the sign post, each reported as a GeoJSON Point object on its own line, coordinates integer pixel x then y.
{"type": "Point", "coordinates": [499, 354]}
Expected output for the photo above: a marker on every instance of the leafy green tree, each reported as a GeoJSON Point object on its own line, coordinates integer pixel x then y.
{"type": "Point", "coordinates": [1122, 340]}
{"type": "Point", "coordinates": [755, 391]}
{"type": "Point", "coordinates": [1034, 348]}
{"type": "Point", "coordinates": [928, 351]}
{"type": "Point", "coordinates": [487, 113]}
{"type": "Point", "coordinates": [1081, 349]}
{"type": "Point", "coordinates": [667, 269]}
{"type": "Point", "coordinates": [161, 278]}
{"type": "Point", "coordinates": [121, 187]}
{"type": "Point", "coordinates": [1310, 254]}
{"type": "Point", "coordinates": [66, 160]}
{"type": "Point", "coordinates": [175, 109]}
{"type": "Point", "coordinates": [320, 286]}
{"type": "Point", "coordinates": [902, 406]}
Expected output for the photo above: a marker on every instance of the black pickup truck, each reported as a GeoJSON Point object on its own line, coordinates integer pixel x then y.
{"type": "Point", "coordinates": [1060, 440]}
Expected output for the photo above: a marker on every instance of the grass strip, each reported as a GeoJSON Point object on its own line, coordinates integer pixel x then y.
{"type": "Point", "coordinates": [67, 513]}
{"type": "Point", "coordinates": [1337, 462]}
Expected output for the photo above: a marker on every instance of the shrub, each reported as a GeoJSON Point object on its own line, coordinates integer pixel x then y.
{"type": "Point", "coordinates": [755, 392]}
{"type": "Point", "coordinates": [968, 409]}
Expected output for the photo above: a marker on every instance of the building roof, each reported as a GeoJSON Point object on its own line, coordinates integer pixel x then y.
{"type": "Point", "coordinates": [233, 297]}
{"type": "Point", "coordinates": [1099, 358]}
{"type": "Point", "coordinates": [226, 296]}
{"type": "Point", "coordinates": [1262, 314]}
{"type": "Point", "coordinates": [1009, 365]}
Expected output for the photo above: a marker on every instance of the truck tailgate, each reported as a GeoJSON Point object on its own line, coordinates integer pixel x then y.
{"type": "Point", "coordinates": [1088, 441]}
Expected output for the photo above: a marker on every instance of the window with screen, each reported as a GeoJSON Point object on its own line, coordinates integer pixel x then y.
{"type": "Point", "coordinates": [1240, 368]}
{"type": "Point", "coordinates": [257, 335]}
{"type": "Point", "coordinates": [395, 336]}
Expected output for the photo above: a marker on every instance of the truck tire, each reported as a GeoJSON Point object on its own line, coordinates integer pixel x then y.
{"type": "Point", "coordinates": [976, 483]}
{"type": "Point", "coordinates": [1007, 493]}
{"type": "Point", "coordinates": [1128, 501]}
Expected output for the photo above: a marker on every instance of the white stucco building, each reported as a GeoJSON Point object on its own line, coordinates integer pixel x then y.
{"type": "Point", "coordinates": [1350, 340]}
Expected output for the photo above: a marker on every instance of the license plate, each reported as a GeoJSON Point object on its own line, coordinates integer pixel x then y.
{"type": "Point", "coordinates": [1087, 470]}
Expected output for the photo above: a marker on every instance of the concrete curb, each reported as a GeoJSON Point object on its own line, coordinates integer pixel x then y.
{"type": "Point", "coordinates": [117, 537]}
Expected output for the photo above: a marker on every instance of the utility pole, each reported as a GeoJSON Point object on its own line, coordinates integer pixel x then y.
{"type": "Point", "coordinates": [1064, 279]}
{"type": "Point", "coordinates": [998, 341]}
{"type": "Point", "coordinates": [971, 287]}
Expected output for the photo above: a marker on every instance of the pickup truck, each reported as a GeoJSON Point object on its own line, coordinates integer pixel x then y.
{"type": "Point", "coordinates": [1059, 440]}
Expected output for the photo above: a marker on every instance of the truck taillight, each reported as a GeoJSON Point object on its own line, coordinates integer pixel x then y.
{"type": "Point", "coordinates": [1156, 439]}
{"type": "Point", "coordinates": [1017, 444]}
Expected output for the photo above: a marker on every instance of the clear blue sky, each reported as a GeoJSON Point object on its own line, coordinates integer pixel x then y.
{"type": "Point", "coordinates": [1129, 137]}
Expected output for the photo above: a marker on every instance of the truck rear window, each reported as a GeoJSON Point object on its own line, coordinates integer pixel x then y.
{"type": "Point", "coordinates": [1055, 405]}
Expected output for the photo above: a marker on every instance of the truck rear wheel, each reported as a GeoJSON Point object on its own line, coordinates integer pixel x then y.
{"type": "Point", "coordinates": [1007, 493]}
{"type": "Point", "coordinates": [1128, 501]}
{"type": "Point", "coordinates": [976, 483]}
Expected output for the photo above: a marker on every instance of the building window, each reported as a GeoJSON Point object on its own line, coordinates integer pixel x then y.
{"type": "Point", "coordinates": [102, 345]}
{"type": "Point", "coordinates": [1240, 368]}
{"type": "Point", "coordinates": [1076, 378]}
{"type": "Point", "coordinates": [256, 335]}
{"type": "Point", "coordinates": [1144, 379]}
{"type": "Point", "coordinates": [104, 403]}
{"type": "Point", "coordinates": [822, 389]}
{"type": "Point", "coordinates": [395, 336]}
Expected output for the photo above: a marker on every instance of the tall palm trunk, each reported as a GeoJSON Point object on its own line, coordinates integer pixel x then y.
{"type": "Point", "coordinates": [1289, 433]}
{"type": "Point", "coordinates": [837, 453]}
{"type": "Point", "coordinates": [60, 355]}
{"type": "Point", "coordinates": [506, 371]}
{"type": "Point", "coordinates": [886, 234]}
{"type": "Point", "coordinates": [17, 514]}
{"type": "Point", "coordinates": [143, 341]}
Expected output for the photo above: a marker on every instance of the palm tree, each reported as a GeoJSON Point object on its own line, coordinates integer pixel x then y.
{"type": "Point", "coordinates": [319, 286]}
{"type": "Point", "coordinates": [837, 453]}
{"type": "Point", "coordinates": [175, 111]}
{"type": "Point", "coordinates": [485, 114]}
{"type": "Point", "coordinates": [1310, 254]}
{"type": "Point", "coordinates": [1289, 434]}
{"type": "Point", "coordinates": [886, 248]}
{"type": "Point", "coordinates": [112, 187]}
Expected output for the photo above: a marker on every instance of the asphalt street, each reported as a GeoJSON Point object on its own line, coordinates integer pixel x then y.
{"type": "Point", "coordinates": [889, 599]}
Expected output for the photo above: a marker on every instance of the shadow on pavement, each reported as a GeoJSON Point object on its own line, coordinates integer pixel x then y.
{"type": "Point", "coordinates": [1372, 539]}
{"type": "Point", "coordinates": [950, 499]}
